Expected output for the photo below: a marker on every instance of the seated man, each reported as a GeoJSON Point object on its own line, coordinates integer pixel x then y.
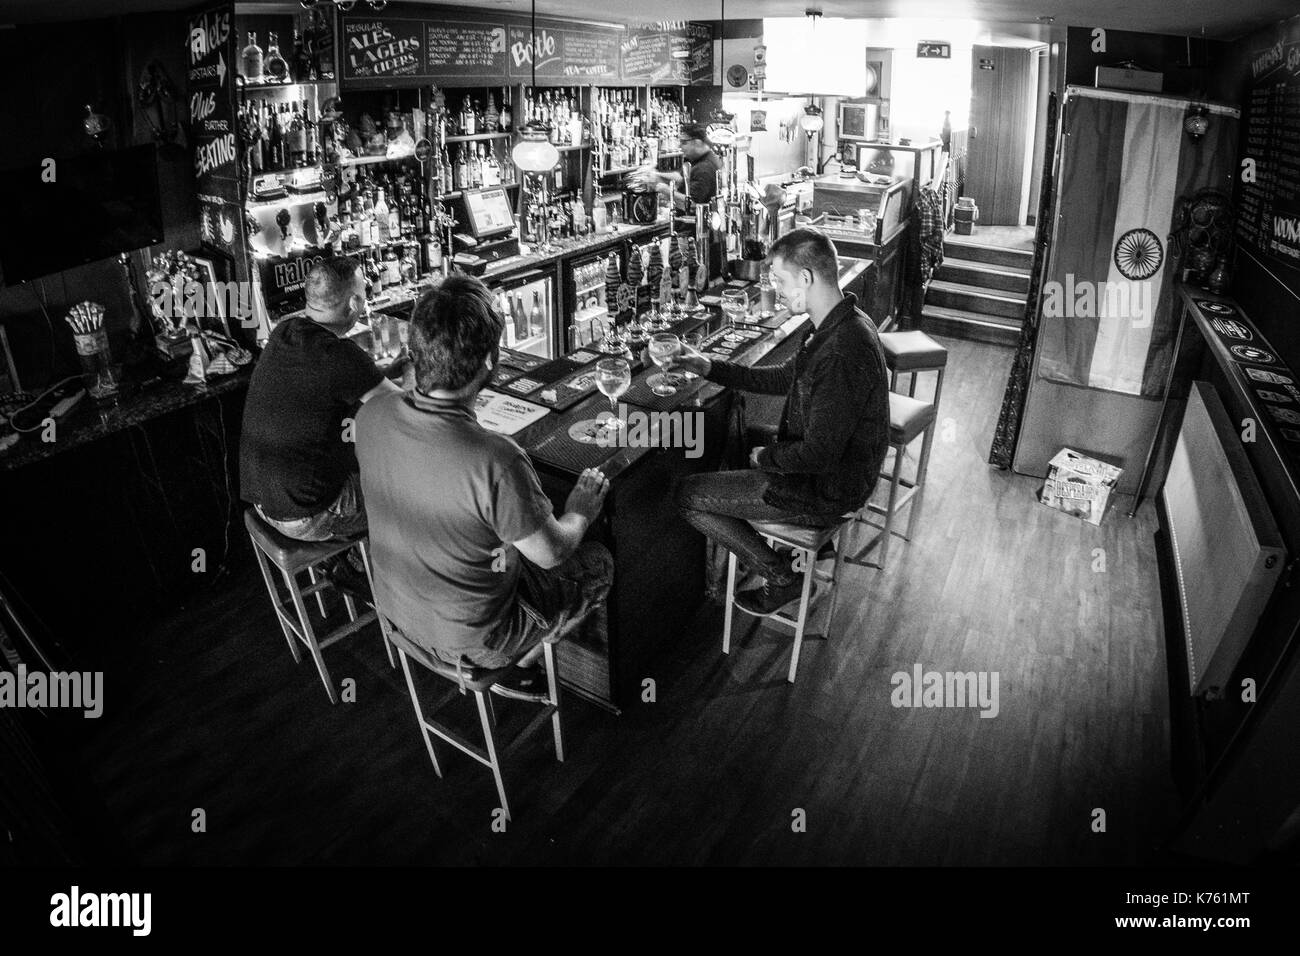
{"type": "Point", "coordinates": [470, 561]}
{"type": "Point", "coordinates": [297, 465]}
{"type": "Point", "coordinates": [834, 428]}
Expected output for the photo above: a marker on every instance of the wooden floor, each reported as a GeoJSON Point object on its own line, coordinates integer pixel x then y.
{"type": "Point", "coordinates": [1012, 237]}
{"type": "Point", "coordinates": [210, 712]}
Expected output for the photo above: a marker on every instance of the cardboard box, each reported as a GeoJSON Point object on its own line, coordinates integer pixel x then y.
{"type": "Point", "coordinates": [1078, 485]}
{"type": "Point", "coordinates": [1114, 78]}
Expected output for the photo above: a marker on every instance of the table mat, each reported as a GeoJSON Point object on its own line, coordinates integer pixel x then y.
{"type": "Point", "coordinates": [559, 449]}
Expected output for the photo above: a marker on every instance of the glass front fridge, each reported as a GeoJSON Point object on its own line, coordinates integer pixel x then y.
{"type": "Point", "coordinates": [585, 309]}
{"type": "Point", "coordinates": [528, 302]}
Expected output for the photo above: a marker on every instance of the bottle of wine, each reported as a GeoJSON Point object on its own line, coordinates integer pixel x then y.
{"type": "Point", "coordinates": [382, 218]}
{"type": "Point", "coordinates": [251, 60]}
{"type": "Point", "coordinates": [301, 59]}
{"type": "Point", "coordinates": [275, 66]}
{"type": "Point", "coordinates": [520, 318]}
{"type": "Point", "coordinates": [297, 138]}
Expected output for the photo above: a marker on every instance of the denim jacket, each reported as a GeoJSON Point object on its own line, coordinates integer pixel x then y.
{"type": "Point", "coordinates": [835, 424]}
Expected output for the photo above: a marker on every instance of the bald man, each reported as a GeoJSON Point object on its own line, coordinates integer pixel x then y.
{"type": "Point", "coordinates": [297, 463]}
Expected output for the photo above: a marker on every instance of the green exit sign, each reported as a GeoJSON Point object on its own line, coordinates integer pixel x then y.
{"type": "Point", "coordinates": [933, 50]}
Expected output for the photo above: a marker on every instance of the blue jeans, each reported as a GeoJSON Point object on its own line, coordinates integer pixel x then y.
{"type": "Point", "coordinates": [344, 517]}
{"type": "Point", "coordinates": [721, 504]}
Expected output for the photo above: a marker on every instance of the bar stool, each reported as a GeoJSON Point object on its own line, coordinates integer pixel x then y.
{"type": "Point", "coordinates": [908, 419]}
{"type": "Point", "coordinates": [912, 353]}
{"type": "Point", "coordinates": [292, 557]}
{"type": "Point", "coordinates": [806, 542]}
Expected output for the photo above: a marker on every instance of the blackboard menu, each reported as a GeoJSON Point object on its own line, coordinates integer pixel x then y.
{"type": "Point", "coordinates": [210, 81]}
{"type": "Point", "coordinates": [466, 48]}
{"type": "Point", "coordinates": [682, 55]}
{"type": "Point", "coordinates": [1268, 215]}
{"type": "Point", "coordinates": [564, 51]}
{"type": "Point", "coordinates": [382, 48]}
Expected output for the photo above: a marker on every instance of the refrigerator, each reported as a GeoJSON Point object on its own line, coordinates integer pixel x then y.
{"type": "Point", "coordinates": [529, 303]}
{"type": "Point", "coordinates": [585, 308]}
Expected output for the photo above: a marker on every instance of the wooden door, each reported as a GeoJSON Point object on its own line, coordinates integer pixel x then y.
{"type": "Point", "coordinates": [1002, 99]}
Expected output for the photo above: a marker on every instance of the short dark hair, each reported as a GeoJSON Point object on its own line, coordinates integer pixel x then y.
{"type": "Point", "coordinates": [694, 131]}
{"type": "Point", "coordinates": [329, 284]}
{"type": "Point", "coordinates": [455, 327]}
{"type": "Point", "coordinates": [810, 249]}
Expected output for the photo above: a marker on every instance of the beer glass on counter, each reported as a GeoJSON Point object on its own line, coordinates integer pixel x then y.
{"type": "Point", "coordinates": [664, 347]}
{"type": "Point", "coordinates": [613, 377]}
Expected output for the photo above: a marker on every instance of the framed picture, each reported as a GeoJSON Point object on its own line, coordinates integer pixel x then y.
{"type": "Point", "coordinates": [758, 121]}
{"type": "Point", "coordinates": [220, 300]}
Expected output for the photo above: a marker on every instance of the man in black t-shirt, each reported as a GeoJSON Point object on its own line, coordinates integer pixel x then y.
{"type": "Point", "coordinates": [703, 184]}
{"type": "Point", "coordinates": [297, 463]}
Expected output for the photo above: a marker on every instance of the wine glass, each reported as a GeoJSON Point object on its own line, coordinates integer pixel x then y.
{"type": "Point", "coordinates": [664, 347]}
{"type": "Point", "coordinates": [735, 304]}
{"type": "Point", "coordinates": [613, 376]}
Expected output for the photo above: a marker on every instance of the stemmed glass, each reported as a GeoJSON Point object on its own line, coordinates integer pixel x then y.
{"type": "Point", "coordinates": [613, 377]}
{"type": "Point", "coordinates": [664, 347]}
{"type": "Point", "coordinates": [693, 340]}
{"type": "Point", "coordinates": [735, 304]}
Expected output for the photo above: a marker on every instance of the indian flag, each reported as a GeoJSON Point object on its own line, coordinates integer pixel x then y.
{"type": "Point", "coordinates": [1126, 164]}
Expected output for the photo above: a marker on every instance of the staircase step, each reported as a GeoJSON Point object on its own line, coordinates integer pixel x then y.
{"type": "Point", "coordinates": [957, 295]}
{"type": "Point", "coordinates": [960, 324]}
{"type": "Point", "coordinates": [984, 276]}
{"type": "Point", "coordinates": [966, 247]}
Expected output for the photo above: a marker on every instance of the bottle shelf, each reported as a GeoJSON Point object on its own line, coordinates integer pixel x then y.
{"type": "Point", "coordinates": [268, 86]}
{"type": "Point", "coordinates": [293, 199]}
{"type": "Point", "coordinates": [477, 137]}
{"type": "Point", "coordinates": [370, 160]}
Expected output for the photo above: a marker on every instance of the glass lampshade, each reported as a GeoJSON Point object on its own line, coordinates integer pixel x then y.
{"type": "Point", "coordinates": [811, 121]}
{"type": "Point", "coordinates": [534, 153]}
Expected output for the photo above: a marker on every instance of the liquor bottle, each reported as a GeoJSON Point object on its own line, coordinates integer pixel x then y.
{"type": "Point", "coordinates": [535, 320]}
{"type": "Point", "coordinates": [323, 44]}
{"type": "Point", "coordinates": [382, 218]}
{"type": "Point", "coordinates": [492, 120]}
{"type": "Point", "coordinates": [466, 118]}
{"type": "Point", "coordinates": [448, 173]}
{"type": "Point", "coordinates": [312, 131]}
{"type": "Point", "coordinates": [432, 251]}
{"type": "Point", "coordinates": [301, 59]}
{"type": "Point", "coordinates": [297, 138]}
{"type": "Point", "coordinates": [520, 318]}
{"type": "Point", "coordinates": [275, 139]}
{"type": "Point", "coordinates": [275, 67]}
{"type": "Point", "coordinates": [492, 175]}
{"type": "Point", "coordinates": [505, 118]}
{"type": "Point", "coordinates": [392, 268]}
{"type": "Point", "coordinates": [410, 268]}
{"type": "Point", "coordinates": [462, 171]}
{"type": "Point", "coordinates": [374, 280]}
{"type": "Point", "coordinates": [476, 167]}
{"type": "Point", "coordinates": [251, 60]}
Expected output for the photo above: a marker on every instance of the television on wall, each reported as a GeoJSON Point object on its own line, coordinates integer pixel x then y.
{"type": "Point", "coordinates": [79, 209]}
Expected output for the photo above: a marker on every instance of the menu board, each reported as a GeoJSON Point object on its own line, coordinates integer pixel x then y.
{"type": "Point", "coordinates": [680, 55]}
{"type": "Point", "coordinates": [563, 51]}
{"type": "Point", "coordinates": [210, 78]}
{"type": "Point", "coordinates": [1268, 216]}
{"type": "Point", "coordinates": [443, 46]}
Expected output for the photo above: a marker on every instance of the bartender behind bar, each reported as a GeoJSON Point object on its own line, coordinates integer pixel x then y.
{"type": "Point", "coordinates": [703, 184]}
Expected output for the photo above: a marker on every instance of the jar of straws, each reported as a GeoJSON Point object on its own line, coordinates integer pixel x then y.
{"type": "Point", "coordinates": [87, 322]}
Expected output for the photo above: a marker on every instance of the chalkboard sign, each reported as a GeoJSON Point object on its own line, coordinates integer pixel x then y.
{"type": "Point", "coordinates": [683, 55]}
{"type": "Point", "coordinates": [383, 48]}
{"type": "Point", "coordinates": [210, 80]}
{"type": "Point", "coordinates": [466, 48]}
{"type": "Point", "coordinates": [1268, 215]}
{"type": "Point", "coordinates": [564, 52]}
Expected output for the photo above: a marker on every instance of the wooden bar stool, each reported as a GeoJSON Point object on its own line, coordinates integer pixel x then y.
{"type": "Point", "coordinates": [481, 682]}
{"type": "Point", "coordinates": [908, 419]}
{"type": "Point", "coordinates": [910, 353]}
{"type": "Point", "coordinates": [292, 557]}
{"type": "Point", "coordinates": [806, 542]}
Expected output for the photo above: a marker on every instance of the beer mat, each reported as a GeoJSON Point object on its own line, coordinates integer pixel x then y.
{"type": "Point", "coordinates": [583, 356]}
{"type": "Point", "coordinates": [560, 449]}
{"type": "Point", "coordinates": [554, 370]}
{"type": "Point", "coordinates": [643, 396]}
{"type": "Point", "coordinates": [523, 386]}
{"type": "Point", "coordinates": [728, 343]}
{"type": "Point", "coordinates": [564, 395]}
{"type": "Point", "coordinates": [521, 360]}
{"type": "Point", "coordinates": [504, 373]}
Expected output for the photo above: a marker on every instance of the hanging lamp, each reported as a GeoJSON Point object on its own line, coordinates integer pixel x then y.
{"type": "Point", "coordinates": [534, 153]}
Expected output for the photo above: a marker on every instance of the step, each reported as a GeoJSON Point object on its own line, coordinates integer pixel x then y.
{"type": "Point", "coordinates": [984, 276]}
{"type": "Point", "coordinates": [956, 295]}
{"type": "Point", "coordinates": [960, 324]}
{"type": "Point", "coordinates": [972, 250]}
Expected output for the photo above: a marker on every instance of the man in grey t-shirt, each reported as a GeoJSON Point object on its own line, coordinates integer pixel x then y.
{"type": "Point", "coordinates": [470, 561]}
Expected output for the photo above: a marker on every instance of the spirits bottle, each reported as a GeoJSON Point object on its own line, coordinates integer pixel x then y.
{"type": "Point", "coordinates": [493, 119]}
{"type": "Point", "coordinates": [297, 138]}
{"type": "Point", "coordinates": [506, 118]}
{"type": "Point", "coordinates": [275, 66]}
{"type": "Point", "coordinates": [381, 216]}
{"type": "Point", "coordinates": [275, 139]}
{"type": "Point", "coordinates": [520, 318]}
{"type": "Point", "coordinates": [394, 221]}
{"type": "Point", "coordinates": [535, 321]}
{"type": "Point", "coordinates": [448, 174]}
{"type": "Point", "coordinates": [312, 132]}
{"type": "Point", "coordinates": [492, 175]}
{"type": "Point", "coordinates": [476, 167]}
{"type": "Point", "coordinates": [251, 60]}
{"type": "Point", "coordinates": [301, 59]}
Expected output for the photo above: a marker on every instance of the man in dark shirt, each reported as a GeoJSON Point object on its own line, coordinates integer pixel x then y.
{"type": "Point", "coordinates": [297, 465]}
{"type": "Point", "coordinates": [834, 428]}
{"type": "Point", "coordinates": [470, 562]}
{"type": "Point", "coordinates": [703, 184]}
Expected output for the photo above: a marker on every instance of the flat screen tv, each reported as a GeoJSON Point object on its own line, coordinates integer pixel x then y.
{"type": "Point", "coordinates": [98, 204]}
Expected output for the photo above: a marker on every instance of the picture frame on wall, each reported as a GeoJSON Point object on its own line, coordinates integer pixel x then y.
{"type": "Point", "coordinates": [758, 121]}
